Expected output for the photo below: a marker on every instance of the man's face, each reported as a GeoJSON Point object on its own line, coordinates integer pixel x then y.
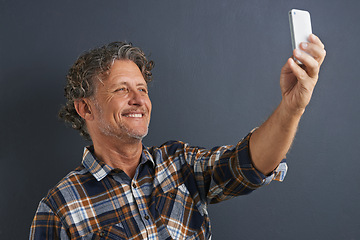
{"type": "Point", "coordinates": [122, 104]}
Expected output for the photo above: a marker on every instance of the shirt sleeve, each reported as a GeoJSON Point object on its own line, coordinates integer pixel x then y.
{"type": "Point", "coordinates": [46, 225]}
{"type": "Point", "coordinates": [227, 171]}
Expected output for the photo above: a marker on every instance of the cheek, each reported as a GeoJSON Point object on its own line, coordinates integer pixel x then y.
{"type": "Point", "coordinates": [149, 107]}
{"type": "Point", "coordinates": [113, 110]}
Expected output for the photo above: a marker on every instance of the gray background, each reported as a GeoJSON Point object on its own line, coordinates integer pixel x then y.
{"type": "Point", "coordinates": [216, 77]}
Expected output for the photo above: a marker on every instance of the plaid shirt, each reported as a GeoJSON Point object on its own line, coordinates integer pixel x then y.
{"type": "Point", "coordinates": [166, 199]}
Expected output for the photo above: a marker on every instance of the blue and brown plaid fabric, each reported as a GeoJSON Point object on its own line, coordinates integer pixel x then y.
{"type": "Point", "coordinates": [166, 199]}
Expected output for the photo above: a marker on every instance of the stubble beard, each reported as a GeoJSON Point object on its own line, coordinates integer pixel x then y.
{"type": "Point", "coordinates": [122, 132]}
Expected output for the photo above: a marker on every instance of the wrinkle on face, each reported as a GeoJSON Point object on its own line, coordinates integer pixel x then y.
{"type": "Point", "coordinates": [110, 103]}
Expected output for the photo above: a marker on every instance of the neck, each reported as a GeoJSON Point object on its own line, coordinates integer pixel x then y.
{"type": "Point", "coordinates": [119, 154]}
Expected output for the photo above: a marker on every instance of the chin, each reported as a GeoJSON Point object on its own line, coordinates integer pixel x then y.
{"type": "Point", "coordinates": [136, 134]}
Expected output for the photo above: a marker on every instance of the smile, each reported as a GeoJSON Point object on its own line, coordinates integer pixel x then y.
{"type": "Point", "coordinates": [134, 115]}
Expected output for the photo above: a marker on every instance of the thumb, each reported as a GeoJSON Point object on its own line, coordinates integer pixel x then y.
{"type": "Point", "coordinates": [294, 68]}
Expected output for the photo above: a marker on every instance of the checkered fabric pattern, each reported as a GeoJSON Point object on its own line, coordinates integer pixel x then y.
{"type": "Point", "coordinates": [166, 199]}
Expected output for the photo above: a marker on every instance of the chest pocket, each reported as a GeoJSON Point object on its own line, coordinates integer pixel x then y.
{"type": "Point", "coordinates": [179, 213]}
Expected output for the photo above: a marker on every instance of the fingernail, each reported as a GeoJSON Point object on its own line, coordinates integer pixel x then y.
{"type": "Point", "coordinates": [297, 53]}
{"type": "Point", "coordinates": [304, 45]}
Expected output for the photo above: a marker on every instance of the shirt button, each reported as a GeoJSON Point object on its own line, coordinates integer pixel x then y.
{"type": "Point", "coordinates": [101, 234]}
{"type": "Point", "coordinates": [134, 185]}
{"type": "Point", "coordinates": [146, 217]}
{"type": "Point", "coordinates": [172, 195]}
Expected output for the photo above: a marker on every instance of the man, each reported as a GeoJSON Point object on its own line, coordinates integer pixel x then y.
{"type": "Point", "coordinates": [124, 190]}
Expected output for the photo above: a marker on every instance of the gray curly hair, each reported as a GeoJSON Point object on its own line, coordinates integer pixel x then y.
{"type": "Point", "coordinates": [95, 65]}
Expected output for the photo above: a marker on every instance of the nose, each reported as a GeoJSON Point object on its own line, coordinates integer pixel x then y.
{"type": "Point", "coordinates": [136, 98]}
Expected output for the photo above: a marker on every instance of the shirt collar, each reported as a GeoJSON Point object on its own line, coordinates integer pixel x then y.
{"type": "Point", "coordinates": [99, 169]}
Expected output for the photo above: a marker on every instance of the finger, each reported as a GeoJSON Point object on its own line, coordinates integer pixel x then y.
{"type": "Point", "coordinates": [314, 50]}
{"type": "Point", "coordinates": [315, 39]}
{"type": "Point", "coordinates": [312, 66]}
{"type": "Point", "coordinates": [286, 68]}
{"type": "Point", "coordinates": [299, 72]}
{"type": "Point", "coordinates": [302, 77]}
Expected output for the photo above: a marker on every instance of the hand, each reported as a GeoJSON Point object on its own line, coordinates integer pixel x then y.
{"type": "Point", "coordinates": [297, 83]}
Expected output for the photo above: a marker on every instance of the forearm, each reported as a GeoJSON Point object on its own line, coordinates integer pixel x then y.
{"type": "Point", "coordinates": [270, 143]}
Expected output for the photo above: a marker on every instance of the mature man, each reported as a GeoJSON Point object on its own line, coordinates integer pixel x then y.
{"type": "Point", "coordinates": [124, 190]}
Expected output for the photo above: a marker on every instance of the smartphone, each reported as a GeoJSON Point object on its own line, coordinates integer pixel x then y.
{"type": "Point", "coordinates": [300, 28]}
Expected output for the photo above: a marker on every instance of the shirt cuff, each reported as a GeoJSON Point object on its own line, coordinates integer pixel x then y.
{"type": "Point", "coordinates": [249, 171]}
{"type": "Point", "coordinates": [278, 174]}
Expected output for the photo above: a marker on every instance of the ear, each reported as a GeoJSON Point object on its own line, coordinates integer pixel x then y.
{"type": "Point", "coordinates": [83, 108]}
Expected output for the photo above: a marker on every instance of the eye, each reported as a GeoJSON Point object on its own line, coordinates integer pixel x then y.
{"type": "Point", "coordinates": [144, 90]}
{"type": "Point", "coordinates": [122, 89]}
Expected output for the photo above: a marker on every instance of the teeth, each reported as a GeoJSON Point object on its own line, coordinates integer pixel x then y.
{"type": "Point", "coordinates": [134, 115]}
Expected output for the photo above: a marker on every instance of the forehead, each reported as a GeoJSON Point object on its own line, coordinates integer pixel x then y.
{"type": "Point", "coordinates": [121, 72]}
{"type": "Point", "coordinates": [125, 69]}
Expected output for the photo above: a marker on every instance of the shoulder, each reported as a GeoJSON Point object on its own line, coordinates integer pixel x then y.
{"type": "Point", "coordinates": [168, 148]}
{"type": "Point", "coordinates": [177, 152]}
{"type": "Point", "coordinates": [173, 146]}
{"type": "Point", "coordinates": [67, 189]}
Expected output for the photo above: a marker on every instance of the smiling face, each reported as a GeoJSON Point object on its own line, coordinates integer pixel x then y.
{"type": "Point", "coordinates": [121, 105]}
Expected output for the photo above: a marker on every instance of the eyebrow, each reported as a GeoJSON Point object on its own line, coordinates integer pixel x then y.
{"type": "Point", "coordinates": [142, 84]}
{"type": "Point", "coordinates": [126, 83]}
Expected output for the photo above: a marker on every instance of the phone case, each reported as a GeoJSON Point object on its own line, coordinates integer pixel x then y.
{"type": "Point", "coordinates": [300, 27]}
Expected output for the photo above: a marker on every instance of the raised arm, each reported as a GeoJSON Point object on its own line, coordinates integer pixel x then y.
{"type": "Point", "coordinates": [270, 143]}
